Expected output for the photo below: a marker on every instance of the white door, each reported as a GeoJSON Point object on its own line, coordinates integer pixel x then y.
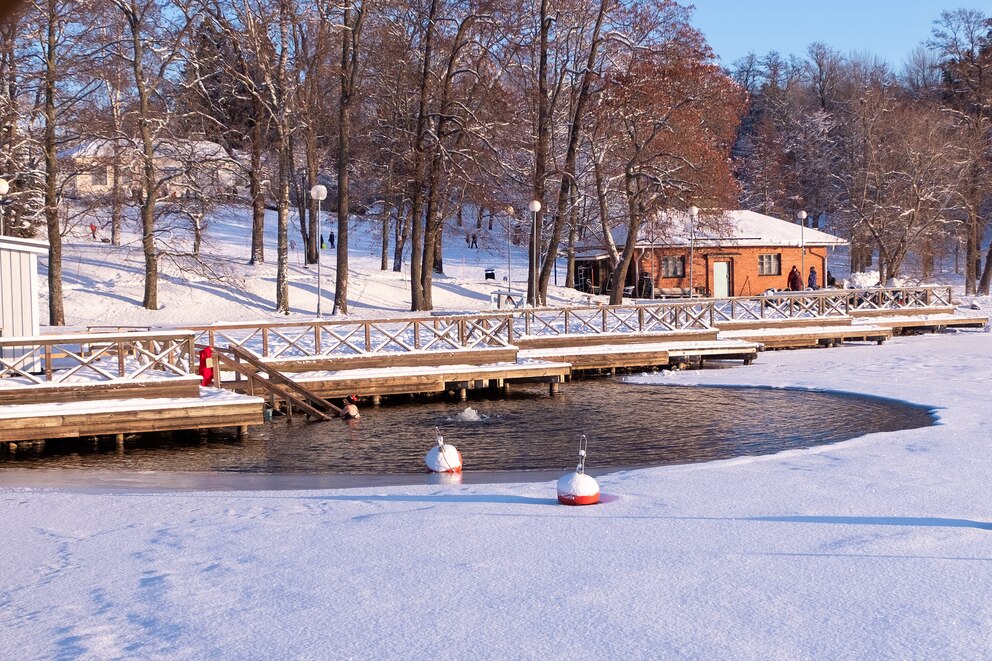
{"type": "Point", "coordinates": [721, 279]}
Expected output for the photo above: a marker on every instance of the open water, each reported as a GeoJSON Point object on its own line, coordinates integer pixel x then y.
{"type": "Point", "coordinates": [627, 426]}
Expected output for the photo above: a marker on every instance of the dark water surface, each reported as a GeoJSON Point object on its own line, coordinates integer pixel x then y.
{"type": "Point", "coordinates": [627, 426]}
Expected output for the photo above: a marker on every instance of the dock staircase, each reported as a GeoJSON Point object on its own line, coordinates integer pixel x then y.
{"type": "Point", "coordinates": [260, 377]}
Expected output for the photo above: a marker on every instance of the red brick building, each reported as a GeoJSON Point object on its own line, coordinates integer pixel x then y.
{"type": "Point", "coordinates": [733, 253]}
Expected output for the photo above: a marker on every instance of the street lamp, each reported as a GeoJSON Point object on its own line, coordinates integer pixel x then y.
{"type": "Point", "coordinates": [4, 189]}
{"type": "Point", "coordinates": [801, 217]}
{"type": "Point", "coordinates": [319, 193]}
{"type": "Point", "coordinates": [693, 215]}
{"type": "Point", "coordinates": [534, 206]}
{"type": "Point", "coordinates": [509, 227]}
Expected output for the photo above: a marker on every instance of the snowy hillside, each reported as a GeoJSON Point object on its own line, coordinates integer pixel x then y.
{"type": "Point", "coordinates": [104, 284]}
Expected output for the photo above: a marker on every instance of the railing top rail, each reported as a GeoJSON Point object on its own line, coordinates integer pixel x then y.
{"type": "Point", "coordinates": [89, 338]}
{"type": "Point", "coordinates": [343, 322]}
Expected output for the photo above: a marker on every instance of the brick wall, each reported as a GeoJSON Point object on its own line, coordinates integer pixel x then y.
{"type": "Point", "coordinates": [744, 277]}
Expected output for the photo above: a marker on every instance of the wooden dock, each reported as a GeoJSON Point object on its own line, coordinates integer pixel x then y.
{"type": "Point", "coordinates": [103, 384]}
{"type": "Point", "coordinates": [121, 383]}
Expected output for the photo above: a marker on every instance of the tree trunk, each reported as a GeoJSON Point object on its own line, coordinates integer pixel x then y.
{"type": "Point", "coordinates": [315, 232]}
{"type": "Point", "coordinates": [571, 154]}
{"type": "Point", "coordinates": [619, 275]}
{"type": "Point", "coordinates": [419, 170]}
{"type": "Point", "coordinates": [402, 232]}
{"type": "Point", "coordinates": [56, 311]}
{"type": "Point", "coordinates": [983, 286]}
{"type": "Point", "coordinates": [573, 231]}
{"type": "Point", "coordinates": [257, 197]}
{"type": "Point", "coordinates": [344, 156]}
{"type": "Point", "coordinates": [116, 194]}
{"type": "Point", "coordinates": [148, 178]}
{"type": "Point", "coordinates": [542, 138]}
{"type": "Point", "coordinates": [282, 227]}
{"type": "Point", "coordinates": [285, 162]}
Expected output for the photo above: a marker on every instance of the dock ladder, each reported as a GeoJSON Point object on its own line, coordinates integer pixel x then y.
{"type": "Point", "coordinates": [261, 376]}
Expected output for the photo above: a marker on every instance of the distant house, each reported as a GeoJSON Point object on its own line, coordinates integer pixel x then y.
{"type": "Point", "coordinates": [735, 253]}
{"type": "Point", "coordinates": [183, 168]}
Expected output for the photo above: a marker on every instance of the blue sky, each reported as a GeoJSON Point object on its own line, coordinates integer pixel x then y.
{"type": "Point", "coordinates": [887, 28]}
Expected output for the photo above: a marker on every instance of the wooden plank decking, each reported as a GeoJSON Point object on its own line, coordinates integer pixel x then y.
{"type": "Point", "coordinates": [810, 336]}
{"type": "Point", "coordinates": [21, 422]}
{"type": "Point", "coordinates": [927, 321]}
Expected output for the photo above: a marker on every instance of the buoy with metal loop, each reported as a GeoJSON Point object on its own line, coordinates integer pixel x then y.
{"type": "Point", "coordinates": [443, 458]}
{"type": "Point", "coordinates": [578, 488]}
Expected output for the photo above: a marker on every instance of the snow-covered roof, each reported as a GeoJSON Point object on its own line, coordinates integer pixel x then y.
{"type": "Point", "coordinates": [735, 228]}
{"type": "Point", "coordinates": [23, 245]}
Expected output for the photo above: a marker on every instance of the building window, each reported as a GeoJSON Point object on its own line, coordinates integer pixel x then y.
{"type": "Point", "coordinates": [672, 267]}
{"type": "Point", "coordinates": [98, 176]}
{"type": "Point", "coordinates": [770, 264]}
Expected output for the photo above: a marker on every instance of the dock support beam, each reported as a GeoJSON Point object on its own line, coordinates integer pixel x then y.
{"type": "Point", "coordinates": [119, 440]}
{"type": "Point", "coordinates": [242, 432]}
{"type": "Point", "coordinates": [377, 400]}
{"type": "Point", "coordinates": [462, 394]}
{"type": "Point", "coordinates": [553, 388]}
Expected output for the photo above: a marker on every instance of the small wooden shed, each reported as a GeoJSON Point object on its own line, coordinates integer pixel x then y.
{"type": "Point", "coordinates": [19, 304]}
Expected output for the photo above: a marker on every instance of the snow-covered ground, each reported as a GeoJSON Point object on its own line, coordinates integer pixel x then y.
{"type": "Point", "coordinates": [879, 547]}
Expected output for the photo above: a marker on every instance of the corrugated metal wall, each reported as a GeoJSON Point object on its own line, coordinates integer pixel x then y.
{"type": "Point", "coordinates": [18, 298]}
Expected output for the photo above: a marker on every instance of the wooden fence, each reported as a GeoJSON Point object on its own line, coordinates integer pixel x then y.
{"type": "Point", "coordinates": [453, 333]}
{"type": "Point", "coordinates": [95, 357]}
{"type": "Point", "coordinates": [370, 337]}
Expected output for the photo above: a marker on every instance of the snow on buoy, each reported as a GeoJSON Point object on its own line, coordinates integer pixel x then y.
{"type": "Point", "coordinates": [578, 488]}
{"type": "Point", "coordinates": [443, 458]}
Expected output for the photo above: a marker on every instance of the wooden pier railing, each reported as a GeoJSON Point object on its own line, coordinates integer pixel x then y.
{"type": "Point", "coordinates": [95, 357]}
{"type": "Point", "coordinates": [471, 332]}
{"type": "Point", "coordinates": [370, 337]}
{"type": "Point", "coordinates": [650, 318]}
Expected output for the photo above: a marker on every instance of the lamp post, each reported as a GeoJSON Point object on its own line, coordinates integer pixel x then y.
{"type": "Point", "coordinates": [509, 228]}
{"type": "Point", "coordinates": [693, 214]}
{"type": "Point", "coordinates": [534, 206]}
{"type": "Point", "coordinates": [801, 217]}
{"type": "Point", "coordinates": [4, 189]}
{"type": "Point", "coordinates": [319, 193]}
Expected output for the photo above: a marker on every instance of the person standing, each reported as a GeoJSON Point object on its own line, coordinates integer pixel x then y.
{"type": "Point", "coordinates": [811, 281]}
{"type": "Point", "coordinates": [475, 241]}
{"type": "Point", "coordinates": [795, 279]}
{"type": "Point", "coordinates": [93, 230]}
{"type": "Point", "coordinates": [330, 238]}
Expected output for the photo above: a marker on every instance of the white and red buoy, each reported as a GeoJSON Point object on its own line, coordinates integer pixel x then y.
{"type": "Point", "coordinates": [443, 458]}
{"type": "Point", "coordinates": [578, 488]}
